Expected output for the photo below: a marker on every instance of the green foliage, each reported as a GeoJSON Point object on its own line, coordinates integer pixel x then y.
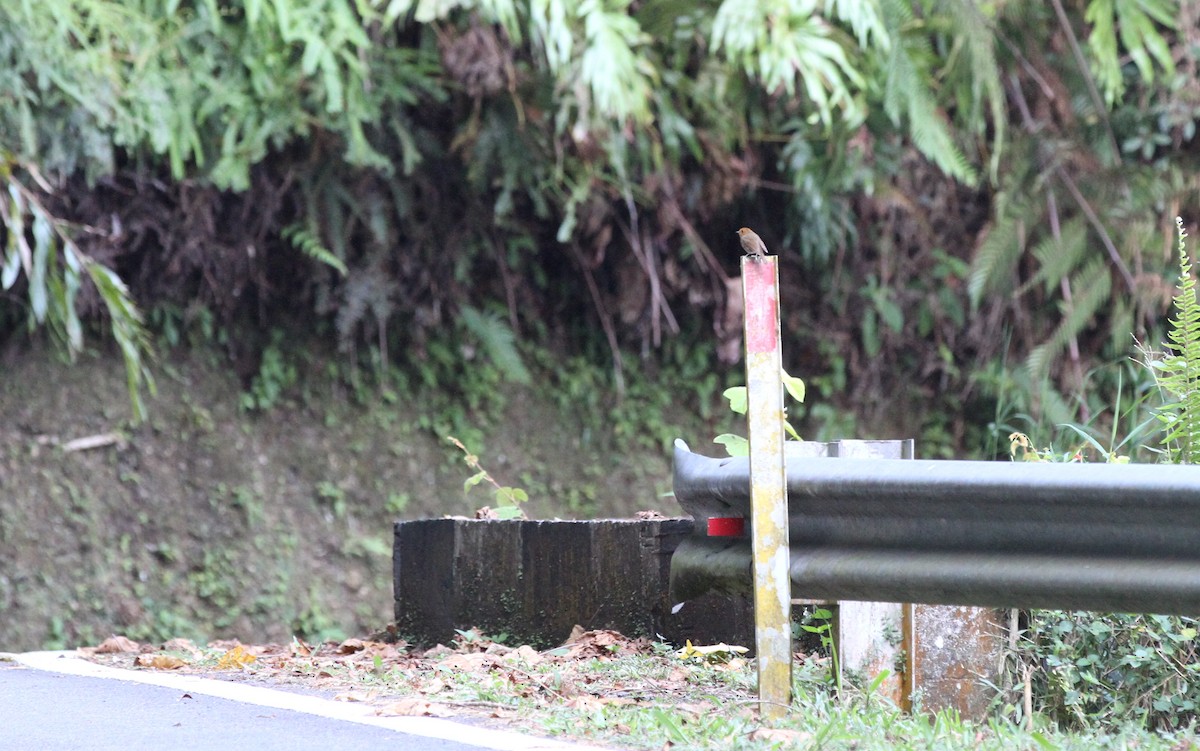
{"type": "Point", "coordinates": [332, 496]}
{"type": "Point", "coordinates": [908, 97]}
{"type": "Point", "coordinates": [276, 374]}
{"type": "Point", "coordinates": [41, 245]}
{"type": "Point", "coordinates": [376, 167]}
{"type": "Point", "coordinates": [820, 623]}
{"type": "Point", "coordinates": [1179, 372]}
{"type": "Point", "coordinates": [1094, 284]}
{"type": "Point", "coordinates": [1088, 670]}
{"type": "Point", "coordinates": [1105, 670]}
{"type": "Point", "coordinates": [1137, 26]}
{"type": "Point", "coordinates": [207, 88]}
{"type": "Point", "coordinates": [774, 42]}
{"type": "Point", "coordinates": [508, 499]}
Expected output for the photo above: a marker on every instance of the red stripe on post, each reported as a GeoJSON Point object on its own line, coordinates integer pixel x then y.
{"type": "Point", "coordinates": [727, 526]}
{"type": "Point", "coordinates": [762, 323]}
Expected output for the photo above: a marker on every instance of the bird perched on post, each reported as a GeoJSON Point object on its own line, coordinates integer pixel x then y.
{"type": "Point", "coordinates": [752, 243]}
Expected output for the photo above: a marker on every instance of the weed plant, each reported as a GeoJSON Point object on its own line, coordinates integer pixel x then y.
{"type": "Point", "coordinates": [1084, 670]}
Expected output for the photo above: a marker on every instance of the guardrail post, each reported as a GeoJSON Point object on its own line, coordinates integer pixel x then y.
{"type": "Point", "coordinates": [946, 653]}
{"type": "Point", "coordinates": [870, 637]}
{"type": "Point", "coordinates": [768, 486]}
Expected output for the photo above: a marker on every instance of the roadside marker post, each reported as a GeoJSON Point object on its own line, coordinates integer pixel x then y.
{"type": "Point", "coordinates": [768, 485]}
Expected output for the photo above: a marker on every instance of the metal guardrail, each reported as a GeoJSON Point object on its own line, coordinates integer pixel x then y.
{"type": "Point", "coordinates": [1104, 537]}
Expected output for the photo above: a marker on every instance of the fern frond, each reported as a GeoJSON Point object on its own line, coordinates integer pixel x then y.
{"type": "Point", "coordinates": [1135, 24]}
{"type": "Point", "coordinates": [498, 341]}
{"type": "Point", "coordinates": [310, 245]}
{"type": "Point", "coordinates": [796, 45]}
{"type": "Point", "coordinates": [1092, 286]}
{"type": "Point", "coordinates": [864, 17]}
{"type": "Point", "coordinates": [979, 43]}
{"type": "Point", "coordinates": [999, 252]}
{"type": "Point", "coordinates": [907, 97]}
{"type": "Point", "coordinates": [1058, 256]}
{"type": "Point", "coordinates": [619, 77]}
{"type": "Point", "coordinates": [1179, 373]}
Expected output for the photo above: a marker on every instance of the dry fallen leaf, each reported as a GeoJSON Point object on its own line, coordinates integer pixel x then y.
{"type": "Point", "coordinates": [524, 654]}
{"type": "Point", "coordinates": [696, 710]}
{"type": "Point", "coordinates": [181, 645]}
{"type": "Point", "coordinates": [117, 645]}
{"type": "Point", "coordinates": [601, 644]}
{"type": "Point", "coordinates": [470, 661]}
{"type": "Point", "coordinates": [235, 659]}
{"type": "Point", "coordinates": [158, 662]}
{"type": "Point", "coordinates": [384, 651]}
{"type": "Point", "coordinates": [414, 707]}
{"type": "Point", "coordinates": [734, 665]}
{"type": "Point", "coordinates": [350, 646]}
{"type": "Point", "coordinates": [585, 703]}
{"type": "Point", "coordinates": [780, 735]}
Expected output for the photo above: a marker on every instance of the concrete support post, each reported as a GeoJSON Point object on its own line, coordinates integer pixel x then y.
{"type": "Point", "coordinates": [945, 653]}
{"type": "Point", "coordinates": [870, 637]}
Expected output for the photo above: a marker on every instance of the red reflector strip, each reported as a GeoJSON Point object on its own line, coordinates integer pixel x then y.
{"type": "Point", "coordinates": [730, 526]}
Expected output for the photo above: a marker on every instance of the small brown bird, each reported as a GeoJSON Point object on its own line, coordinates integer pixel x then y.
{"type": "Point", "coordinates": [752, 243]}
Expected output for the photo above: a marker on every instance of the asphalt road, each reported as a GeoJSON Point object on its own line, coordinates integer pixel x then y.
{"type": "Point", "coordinates": [92, 708]}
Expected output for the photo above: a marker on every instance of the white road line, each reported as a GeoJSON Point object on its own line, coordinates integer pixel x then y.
{"type": "Point", "coordinates": [430, 727]}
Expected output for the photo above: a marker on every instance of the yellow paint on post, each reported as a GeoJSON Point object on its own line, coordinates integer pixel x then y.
{"type": "Point", "coordinates": [768, 485]}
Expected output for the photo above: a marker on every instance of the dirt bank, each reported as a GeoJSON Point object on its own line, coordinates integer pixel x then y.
{"type": "Point", "coordinates": [210, 522]}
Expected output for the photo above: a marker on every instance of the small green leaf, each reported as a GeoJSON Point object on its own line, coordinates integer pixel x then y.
{"type": "Point", "coordinates": [787, 426]}
{"type": "Point", "coordinates": [737, 399]}
{"type": "Point", "coordinates": [734, 445]}
{"type": "Point", "coordinates": [508, 512]}
{"type": "Point", "coordinates": [511, 496]}
{"type": "Point", "coordinates": [474, 480]}
{"type": "Point", "coordinates": [794, 386]}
